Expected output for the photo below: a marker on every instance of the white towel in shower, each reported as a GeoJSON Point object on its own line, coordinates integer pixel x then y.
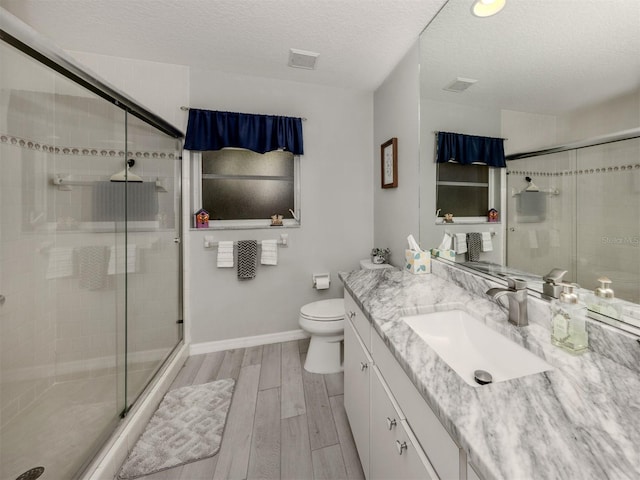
{"type": "Point", "coordinates": [487, 244]}
{"type": "Point", "coordinates": [460, 242]}
{"type": "Point", "coordinates": [60, 263]}
{"type": "Point", "coordinates": [225, 254]}
{"type": "Point", "coordinates": [269, 254]}
{"type": "Point", "coordinates": [132, 259]}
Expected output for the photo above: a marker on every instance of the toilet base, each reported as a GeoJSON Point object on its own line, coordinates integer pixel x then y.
{"type": "Point", "coordinates": [324, 354]}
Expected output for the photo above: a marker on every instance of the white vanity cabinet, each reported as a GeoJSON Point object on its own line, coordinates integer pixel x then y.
{"type": "Point", "coordinates": [396, 433]}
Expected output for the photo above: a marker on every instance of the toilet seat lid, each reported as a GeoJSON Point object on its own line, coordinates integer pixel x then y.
{"type": "Point", "coordinates": [332, 309]}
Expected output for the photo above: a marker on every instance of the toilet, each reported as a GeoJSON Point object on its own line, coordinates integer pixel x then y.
{"type": "Point", "coordinates": [324, 320]}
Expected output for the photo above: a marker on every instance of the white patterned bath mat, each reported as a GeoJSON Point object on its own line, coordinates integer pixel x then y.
{"type": "Point", "coordinates": [187, 426]}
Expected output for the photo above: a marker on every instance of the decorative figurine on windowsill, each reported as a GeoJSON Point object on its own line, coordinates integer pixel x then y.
{"type": "Point", "coordinates": [448, 218]}
{"type": "Point", "coordinates": [493, 215]}
{"type": "Point", "coordinates": [276, 220]}
{"type": "Point", "coordinates": [380, 256]}
{"type": "Point", "coordinates": [202, 218]}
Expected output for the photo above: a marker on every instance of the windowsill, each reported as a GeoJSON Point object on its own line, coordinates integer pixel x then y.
{"type": "Point", "coordinates": [246, 225]}
{"type": "Point", "coordinates": [468, 222]}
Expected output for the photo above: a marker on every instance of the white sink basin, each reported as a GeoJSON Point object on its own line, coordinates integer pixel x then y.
{"type": "Point", "coordinates": [467, 345]}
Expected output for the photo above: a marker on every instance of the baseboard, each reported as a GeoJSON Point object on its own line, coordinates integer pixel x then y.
{"type": "Point", "coordinates": [244, 342]}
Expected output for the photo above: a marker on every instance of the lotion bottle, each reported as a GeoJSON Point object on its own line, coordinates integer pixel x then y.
{"type": "Point", "coordinates": [568, 321]}
{"type": "Point", "coordinates": [603, 301]}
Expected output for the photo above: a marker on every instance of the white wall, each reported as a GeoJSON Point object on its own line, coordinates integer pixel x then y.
{"type": "Point", "coordinates": [615, 115]}
{"type": "Point", "coordinates": [337, 215]}
{"type": "Point", "coordinates": [396, 110]}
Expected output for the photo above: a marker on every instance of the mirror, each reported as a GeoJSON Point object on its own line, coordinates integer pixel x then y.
{"type": "Point", "coordinates": [543, 74]}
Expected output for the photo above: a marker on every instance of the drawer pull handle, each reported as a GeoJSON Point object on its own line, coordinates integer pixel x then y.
{"type": "Point", "coordinates": [401, 446]}
{"type": "Point", "coordinates": [351, 314]}
{"type": "Point", "coordinates": [391, 423]}
{"type": "Point", "coordinates": [363, 366]}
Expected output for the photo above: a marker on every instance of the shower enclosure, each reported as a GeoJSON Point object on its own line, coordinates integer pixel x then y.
{"type": "Point", "coordinates": [90, 269]}
{"type": "Point", "coordinates": [584, 216]}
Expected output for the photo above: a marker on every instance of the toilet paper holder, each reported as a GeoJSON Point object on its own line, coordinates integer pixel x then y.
{"type": "Point", "coordinates": [321, 281]}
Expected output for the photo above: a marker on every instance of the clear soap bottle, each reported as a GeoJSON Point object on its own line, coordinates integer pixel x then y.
{"type": "Point", "coordinates": [603, 300]}
{"type": "Point", "coordinates": [568, 321]}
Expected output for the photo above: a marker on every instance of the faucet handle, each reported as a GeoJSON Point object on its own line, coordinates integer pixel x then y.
{"type": "Point", "coordinates": [555, 276]}
{"type": "Point", "coordinates": [516, 283]}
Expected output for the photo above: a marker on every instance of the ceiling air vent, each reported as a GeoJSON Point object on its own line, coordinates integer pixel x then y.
{"type": "Point", "coordinates": [302, 59]}
{"type": "Point", "coordinates": [460, 85]}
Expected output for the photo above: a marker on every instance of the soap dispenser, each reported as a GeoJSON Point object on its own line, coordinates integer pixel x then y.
{"type": "Point", "coordinates": [568, 321]}
{"type": "Point", "coordinates": [603, 301]}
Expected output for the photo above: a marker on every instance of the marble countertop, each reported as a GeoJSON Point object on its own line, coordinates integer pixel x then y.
{"type": "Point", "coordinates": [579, 421]}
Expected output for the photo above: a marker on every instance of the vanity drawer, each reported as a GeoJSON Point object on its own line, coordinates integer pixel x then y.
{"type": "Point", "coordinates": [360, 322]}
{"type": "Point", "coordinates": [442, 451]}
{"type": "Point", "coordinates": [395, 452]}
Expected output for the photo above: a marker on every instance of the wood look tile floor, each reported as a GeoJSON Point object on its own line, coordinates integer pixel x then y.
{"type": "Point", "coordinates": [283, 423]}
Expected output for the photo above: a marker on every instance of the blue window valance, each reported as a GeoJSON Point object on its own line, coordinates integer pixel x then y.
{"type": "Point", "coordinates": [468, 149]}
{"type": "Point", "coordinates": [213, 130]}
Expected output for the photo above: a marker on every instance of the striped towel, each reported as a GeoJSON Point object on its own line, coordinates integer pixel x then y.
{"type": "Point", "coordinates": [269, 252]}
{"type": "Point", "coordinates": [92, 267]}
{"type": "Point", "coordinates": [225, 254]}
{"type": "Point", "coordinates": [474, 246]}
{"type": "Point", "coordinates": [247, 256]}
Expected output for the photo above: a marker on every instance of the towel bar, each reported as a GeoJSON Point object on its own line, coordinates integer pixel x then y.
{"type": "Point", "coordinates": [282, 242]}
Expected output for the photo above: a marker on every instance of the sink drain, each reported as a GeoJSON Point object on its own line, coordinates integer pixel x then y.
{"type": "Point", "coordinates": [482, 377]}
{"type": "Point", "coordinates": [31, 474]}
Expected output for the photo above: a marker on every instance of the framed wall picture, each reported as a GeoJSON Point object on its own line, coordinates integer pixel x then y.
{"type": "Point", "coordinates": [389, 163]}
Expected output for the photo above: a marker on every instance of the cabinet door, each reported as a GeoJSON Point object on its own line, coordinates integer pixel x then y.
{"type": "Point", "coordinates": [357, 374]}
{"type": "Point", "coordinates": [395, 452]}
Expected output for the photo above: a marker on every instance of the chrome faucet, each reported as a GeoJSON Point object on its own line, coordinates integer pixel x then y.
{"type": "Point", "coordinates": [517, 295]}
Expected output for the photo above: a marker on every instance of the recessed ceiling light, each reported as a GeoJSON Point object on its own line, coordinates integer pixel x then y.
{"type": "Point", "coordinates": [486, 8]}
{"type": "Point", "coordinates": [460, 84]}
{"type": "Point", "coordinates": [302, 59]}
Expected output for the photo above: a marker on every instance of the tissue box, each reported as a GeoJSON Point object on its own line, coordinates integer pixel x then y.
{"type": "Point", "coordinates": [417, 262]}
{"type": "Point", "coordinates": [446, 254]}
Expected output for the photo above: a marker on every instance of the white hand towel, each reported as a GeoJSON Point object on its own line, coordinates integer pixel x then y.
{"type": "Point", "coordinates": [269, 252]}
{"type": "Point", "coordinates": [460, 242]}
{"type": "Point", "coordinates": [132, 259]}
{"type": "Point", "coordinates": [533, 239]}
{"type": "Point", "coordinates": [487, 244]}
{"type": "Point", "coordinates": [60, 262]}
{"type": "Point", "coordinates": [225, 254]}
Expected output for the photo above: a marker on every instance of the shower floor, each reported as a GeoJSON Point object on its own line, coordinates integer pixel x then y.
{"type": "Point", "coordinates": [61, 429]}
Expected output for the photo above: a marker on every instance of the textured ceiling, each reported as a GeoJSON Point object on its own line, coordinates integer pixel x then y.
{"type": "Point", "coordinates": [539, 56]}
{"type": "Point", "coordinates": [359, 41]}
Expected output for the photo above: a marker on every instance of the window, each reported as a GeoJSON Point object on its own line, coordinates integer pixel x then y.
{"type": "Point", "coordinates": [467, 191]}
{"type": "Point", "coordinates": [239, 187]}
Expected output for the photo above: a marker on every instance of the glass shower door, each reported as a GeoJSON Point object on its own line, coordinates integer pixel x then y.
{"type": "Point", "coordinates": [153, 320]}
{"type": "Point", "coordinates": [62, 318]}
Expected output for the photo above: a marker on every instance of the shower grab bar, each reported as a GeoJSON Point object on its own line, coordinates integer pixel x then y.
{"type": "Point", "coordinates": [282, 242]}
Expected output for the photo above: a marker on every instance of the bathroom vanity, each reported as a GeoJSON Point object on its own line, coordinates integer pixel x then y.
{"type": "Point", "coordinates": [413, 416]}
